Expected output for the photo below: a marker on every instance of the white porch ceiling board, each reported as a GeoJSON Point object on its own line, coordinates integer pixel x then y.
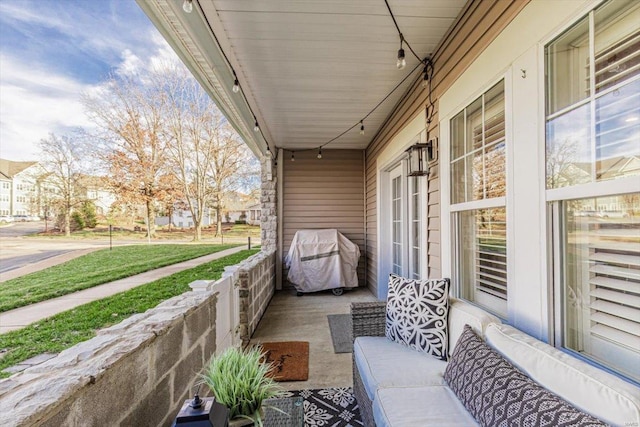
{"type": "Point", "coordinates": [314, 68]}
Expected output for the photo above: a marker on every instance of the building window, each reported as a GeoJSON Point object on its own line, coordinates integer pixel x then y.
{"type": "Point", "coordinates": [6, 185]}
{"type": "Point", "coordinates": [593, 141]}
{"type": "Point", "coordinates": [478, 201]}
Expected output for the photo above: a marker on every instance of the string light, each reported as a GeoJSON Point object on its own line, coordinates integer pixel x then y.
{"type": "Point", "coordinates": [401, 62]}
{"type": "Point", "coordinates": [187, 6]}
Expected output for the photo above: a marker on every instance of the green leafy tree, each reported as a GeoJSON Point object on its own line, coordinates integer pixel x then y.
{"type": "Point", "coordinates": [89, 216]}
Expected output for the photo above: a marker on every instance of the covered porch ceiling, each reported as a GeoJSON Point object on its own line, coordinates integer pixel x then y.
{"type": "Point", "coordinates": [309, 69]}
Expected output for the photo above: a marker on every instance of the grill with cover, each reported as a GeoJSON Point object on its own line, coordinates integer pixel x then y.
{"type": "Point", "coordinates": [322, 259]}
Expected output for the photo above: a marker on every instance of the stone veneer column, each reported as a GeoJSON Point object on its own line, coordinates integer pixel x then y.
{"type": "Point", "coordinates": [268, 201]}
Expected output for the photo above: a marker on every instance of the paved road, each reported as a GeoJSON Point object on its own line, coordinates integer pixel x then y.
{"type": "Point", "coordinates": [18, 229]}
{"type": "Point", "coordinates": [17, 251]}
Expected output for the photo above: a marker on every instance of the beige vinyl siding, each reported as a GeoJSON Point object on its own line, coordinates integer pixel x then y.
{"type": "Point", "coordinates": [478, 25]}
{"type": "Point", "coordinates": [325, 193]}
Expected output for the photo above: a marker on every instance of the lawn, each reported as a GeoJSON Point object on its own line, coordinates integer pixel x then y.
{"type": "Point", "coordinates": [237, 232]}
{"type": "Point", "coordinates": [94, 269]}
{"type": "Point", "coordinates": [66, 329]}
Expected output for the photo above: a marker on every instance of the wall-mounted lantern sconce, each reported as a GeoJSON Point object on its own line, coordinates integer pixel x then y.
{"type": "Point", "coordinates": [420, 155]}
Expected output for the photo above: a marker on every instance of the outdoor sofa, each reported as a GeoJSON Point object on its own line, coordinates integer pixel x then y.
{"type": "Point", "coordinates": [398, 386]}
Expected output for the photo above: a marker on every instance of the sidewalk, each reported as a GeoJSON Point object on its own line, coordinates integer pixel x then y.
{"type": "Point", "coordinates": [23, 316]}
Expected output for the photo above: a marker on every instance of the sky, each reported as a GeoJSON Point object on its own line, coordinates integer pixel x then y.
{"type": "Point", "coordinates": [52, 51]}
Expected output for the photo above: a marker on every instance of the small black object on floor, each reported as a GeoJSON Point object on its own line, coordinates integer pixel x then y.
{"type": "Point", "coordinates": [329, 407]}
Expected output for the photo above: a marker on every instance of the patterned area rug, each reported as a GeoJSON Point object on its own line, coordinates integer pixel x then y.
{"type": "Point", "coordinates": [329, 407]}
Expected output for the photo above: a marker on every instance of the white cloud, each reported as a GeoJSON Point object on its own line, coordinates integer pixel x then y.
{"type": "Point", "coordinates": [131, 64]}
{"type": "Point", "coordinates": [35, 100]}
{"type": "Point", "coordinates": [34, 103]}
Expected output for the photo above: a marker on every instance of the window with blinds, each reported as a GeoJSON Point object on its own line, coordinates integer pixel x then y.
{"type": "Point", "coordinates": [478, 190]}
{"type": "Point", "coordinates": [593, 136]}
{"type": "Point", "coordinates": [601, 280]}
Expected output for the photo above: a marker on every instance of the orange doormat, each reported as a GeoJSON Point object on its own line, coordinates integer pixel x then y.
{"type": "Point", "coordinates": [290, 360]}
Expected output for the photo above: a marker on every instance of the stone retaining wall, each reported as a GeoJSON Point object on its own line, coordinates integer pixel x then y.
{"type": "Point", "coordinates": [136, 373]}
{"type": "Point", "coordinates": [257, 283]}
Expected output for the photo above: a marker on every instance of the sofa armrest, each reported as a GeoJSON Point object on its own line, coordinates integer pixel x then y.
{"type": "Point", "coordinates": [368, 318]}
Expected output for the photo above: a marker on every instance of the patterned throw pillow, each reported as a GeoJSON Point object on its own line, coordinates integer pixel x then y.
{"type": "Point", "coordinates": [417, 313]}
{"type": "Point", "coordinates": [497, 394]}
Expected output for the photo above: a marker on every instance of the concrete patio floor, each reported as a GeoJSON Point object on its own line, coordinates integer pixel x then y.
{"type": "Point", "coordinates": [292, 318]}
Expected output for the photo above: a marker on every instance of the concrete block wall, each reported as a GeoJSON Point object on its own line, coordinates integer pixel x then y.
{"type": "Point", "coordinates": [257, 283]}
{"type": "Point", "coordinates": [136, 373]}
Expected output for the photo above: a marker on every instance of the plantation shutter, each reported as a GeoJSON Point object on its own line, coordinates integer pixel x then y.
{"type": "Point", "coordinates": [614, 271]}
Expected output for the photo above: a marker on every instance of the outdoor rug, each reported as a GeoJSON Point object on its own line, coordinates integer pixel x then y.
{"type": "Point", "coordinates": [341, 332]}
{"type": "Point", "coordinates": [329, 407]}
{"type": "Point", "coordinates": [290, 360]}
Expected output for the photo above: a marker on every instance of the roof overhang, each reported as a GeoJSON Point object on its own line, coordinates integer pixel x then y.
{"type": "Point", "coordinates": [309, 70]}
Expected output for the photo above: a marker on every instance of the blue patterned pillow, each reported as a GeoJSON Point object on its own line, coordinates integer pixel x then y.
{"type": "Point", "coordinates": [496, 393]}
{"type": "Point", "coordinates": [417, 312]}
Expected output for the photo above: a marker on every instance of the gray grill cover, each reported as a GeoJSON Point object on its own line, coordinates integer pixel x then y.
{"type": "Point", "coordinates": [322, 259]}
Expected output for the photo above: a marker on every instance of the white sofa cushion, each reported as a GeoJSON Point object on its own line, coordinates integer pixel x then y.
{"type": "Point", "coordinates": [419, 406]}
{"type": "Point", "coordinates": [462, 313]}
{"type": "Point", "coordinates": [417, 314]}
{"type": "Point", "coordinates": [588, 388]}
{"type": "Point", "coordinates": [384, 363]}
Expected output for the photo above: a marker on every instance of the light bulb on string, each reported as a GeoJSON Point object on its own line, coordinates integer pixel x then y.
{"type": "Point", "coordinates": [425, 78]}
{"type": "Point", "coordinates": [236, 86]}
{"type": "Point", "coordinates": [401, 62]}
{"type": "Point", "coordinates": [256, 128]}
{"type": "Point", "coordinates": [187, 6]}
{"type": "Point", "coordinates": [361, 128]}
{"type": "Point", "coordinates": [293, 157]}
{"type": "Point", "coordinates": [320, 152]}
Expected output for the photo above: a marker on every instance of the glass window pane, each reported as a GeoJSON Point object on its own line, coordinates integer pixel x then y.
{"type": "Point", "coordinates": [617, 43]}
{"type": "Point", "coordinates": [457, 136]}
{"type": "Point", "coordinates": [569, 148]}
{"type": "Point", "coordinates": [601, 280]}
{"type": "Point", "coordinates": [474, 133]}
{"type": "Point", "coordinates": [477, 175]}
{"type": "Point", "coordinates": [458, 181]}
{"type": "Point", "coordinates": [567, 61]}
{"type": "Point", "coordinates": [618, 133]}
{"type": "Point", "coordinates": [482, 252]}
{"type": "Point", "coordinates": [495, 169]}
{"type": "Point", "coordinates": [485, 125]}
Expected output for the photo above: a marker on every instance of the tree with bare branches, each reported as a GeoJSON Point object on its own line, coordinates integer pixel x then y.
{"type": "Point", "coordinates": [62, 162]}
{"type": "Point", "coordinates": [129, 112]}
{"type": "Point", "coordinates": [209, 159]}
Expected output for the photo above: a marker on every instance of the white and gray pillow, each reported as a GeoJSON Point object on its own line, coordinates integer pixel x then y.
{"type": "Point", "coordinates": [417, 312]}
{"type": "Point", "coordinates": [497, 393]}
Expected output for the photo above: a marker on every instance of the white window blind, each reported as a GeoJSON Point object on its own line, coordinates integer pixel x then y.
{"type": "Point", "coordinates": [614, 271]}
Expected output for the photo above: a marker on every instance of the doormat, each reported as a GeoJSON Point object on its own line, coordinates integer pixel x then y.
{"type": "Point", "coordinates": [290, 360]}
{"type": "Point", "coordinates": [341, 333]}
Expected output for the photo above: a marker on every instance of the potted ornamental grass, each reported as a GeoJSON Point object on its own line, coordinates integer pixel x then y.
{"type": "Point", "coordinates": [239, 380]}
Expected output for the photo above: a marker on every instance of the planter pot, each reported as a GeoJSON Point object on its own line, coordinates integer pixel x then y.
{"type": "Point", "coordinates": [241, 422]}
